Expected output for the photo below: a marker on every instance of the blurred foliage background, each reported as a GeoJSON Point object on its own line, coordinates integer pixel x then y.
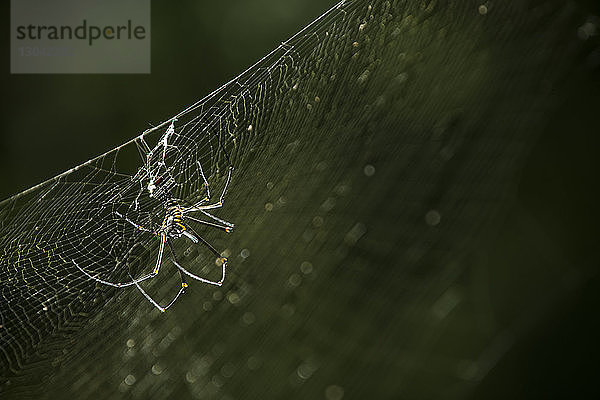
{"type": "Point", "coordinates": [519, 319]}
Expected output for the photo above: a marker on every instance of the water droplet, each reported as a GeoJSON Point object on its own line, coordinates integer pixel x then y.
{"type": "Point", "coordinates": [364, 76]}
{"type": "Point", "coordinates": [233, 298]}
{"type": "Point", "coordinates": [190, 377]}
{"type": "Point", "coordinates": [228, 370]}
{"type": "Point", "coordinates": [328, 204]}
{"type": "Point", "coordinates": [287, 310]}
{"type": "Point", "coordinates": [294, 280]}
{"type": "Point", "coordinates": [587, 30]}
{"type": "Point", "coordinates": [467, 369]}
{"type": "Point", "coordinates": [129, 380]}
{"type": "Point", "coordinates": [433, 217]}
{"type": "Point", "coordinates": [248, 318]}
{"type": "Point", "coordinates": [401, 78]}
{"type": "Point", "coordinates": [305, 370]}
{"type": "Point", "coordinates": [217, 381]}
{"type": "Point", "coordinates": [355, 233]}
{"type": "Point", "coordinates": [157, 369]}
{"type": "Point", "coordinates": [317, 222]}
{"type": "Point", "coordinates": [253, 363]}
{"type": "Point", "coordinates": [446, 303]}
{"type": "Point", "coordinates": [369, 170]}
{"type": "Point", "coordinates": [334, 392]}
{"type": "Point", "coordinates": [341, 189]}
{"type": "Point", "coordinates": [308, 235]}
{"type": "Point", "coordinates": [306, 267]}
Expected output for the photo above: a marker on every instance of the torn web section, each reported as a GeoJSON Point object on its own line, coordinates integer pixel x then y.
{"type": "Point", "coordinates": [47, 230]}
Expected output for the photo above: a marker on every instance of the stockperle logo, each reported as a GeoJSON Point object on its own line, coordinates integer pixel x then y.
{"type": "Point", "coordinates": [80, 36]}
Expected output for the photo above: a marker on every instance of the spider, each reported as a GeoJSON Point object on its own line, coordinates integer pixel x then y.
{"type": "Point", "coordinates": [174, 224]}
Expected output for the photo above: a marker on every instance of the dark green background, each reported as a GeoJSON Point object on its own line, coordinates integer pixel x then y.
{"type": "Point", "coordinates": [52, 123]}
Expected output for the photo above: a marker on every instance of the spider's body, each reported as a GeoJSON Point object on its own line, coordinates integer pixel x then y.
{"type": "Point", "coordinates": [174, 224]}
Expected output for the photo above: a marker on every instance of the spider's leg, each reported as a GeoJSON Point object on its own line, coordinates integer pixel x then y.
{"type": "Point", "coordinates": [134, 281]}
{"type": "Point", "coordinates": [227, 229]}
{"type": "Point", "coordinates": [190, 236]}
{"type": "Point", "coordinates": [184, 283]}
{"type": "Point", "coordinates": [208, 206]}
{"type": "Point", "coordinates": [217, 219]}
{"type": "Point", "coordinates": [196, 277]}
{"type": "Point", "coordinates": [210, 247]}
{"type": "Point", "coordinates": [147, 296]}
{"type": "Point", "coordinates": [198, 206]}
{"type": "Point", "coordinates": [115, 284]}
{"type": "Point", "coordinates": [208, 281]}
{"type": "Point", "coordinates": [185, 211]}
{"type": "Point", "coordinates": [161, 250]}
{"type": "Point", "coordinates": [181, 291]}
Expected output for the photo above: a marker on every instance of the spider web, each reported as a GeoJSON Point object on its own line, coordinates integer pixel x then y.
{"type": "Point", "coordinates": [73, 220]}
{"type": "Point", "coordinates": [373, 151]}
